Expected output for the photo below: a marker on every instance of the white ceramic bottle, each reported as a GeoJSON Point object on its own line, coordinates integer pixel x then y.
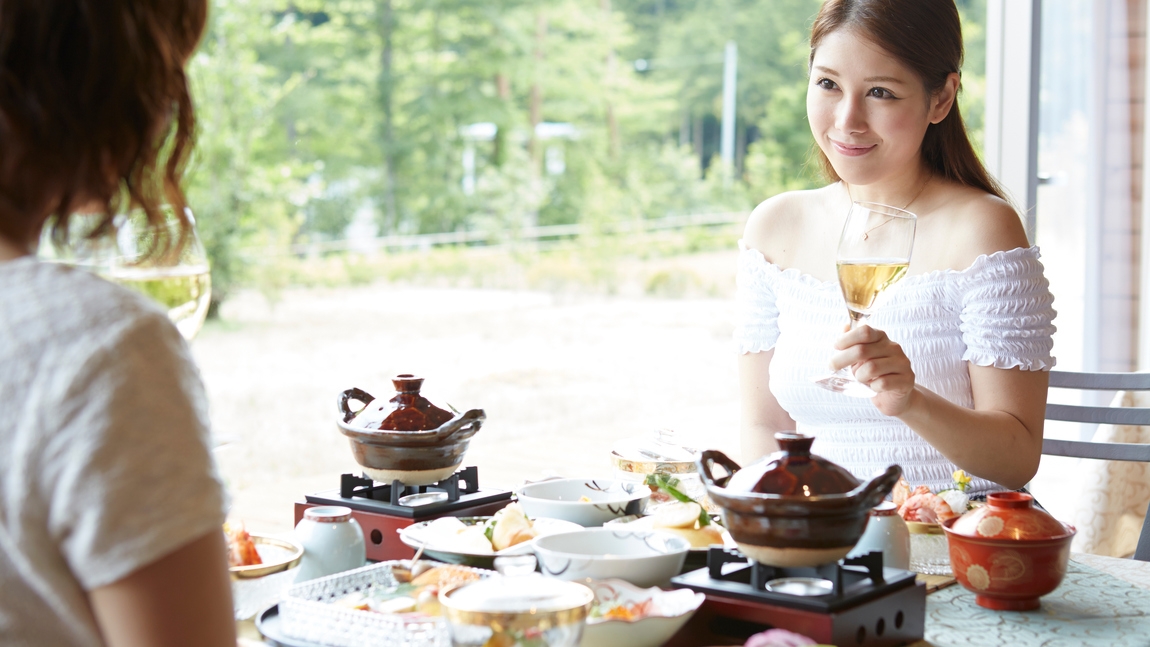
{"type": "Point", "coordinates": [332, 542]}
{"type": "Point", "coordinates": [886, 532]}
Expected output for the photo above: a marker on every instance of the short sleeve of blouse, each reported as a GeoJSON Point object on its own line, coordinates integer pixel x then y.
{"type": "Point", "coordinates": [756, 314]}
{"type": "Point", "coordinates": [1007, 312]}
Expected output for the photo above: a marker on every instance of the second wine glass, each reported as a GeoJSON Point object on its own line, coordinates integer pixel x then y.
{"type": "Point", "coordinates": [873, 254]}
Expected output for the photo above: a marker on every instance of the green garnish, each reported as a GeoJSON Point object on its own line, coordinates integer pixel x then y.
{"type": "Point", "coordinates": [670, 485]}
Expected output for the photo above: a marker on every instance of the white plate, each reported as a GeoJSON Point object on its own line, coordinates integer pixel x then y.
{"type": "Point", "coordinates": [417, 535]}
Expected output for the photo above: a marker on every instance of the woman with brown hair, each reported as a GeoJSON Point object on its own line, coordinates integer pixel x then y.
{"type": "Point", "coordinates": [110, 508]}
{"type": "Point", "coordinates": [957, 352]}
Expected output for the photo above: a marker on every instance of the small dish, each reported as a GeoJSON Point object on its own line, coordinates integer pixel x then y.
{"type": "Point", "coordinates": [651, 615]}
{"type": "Point", "coordinates": [418, 535]}
{"type": "Point", "coordinates": [587, 502]}
{"type": "Point", "coordinates": [255, 587]}
{"type": "Point", "coordinates": [643, 558]}
{"type": "Point", "coordinates": [277, 555]}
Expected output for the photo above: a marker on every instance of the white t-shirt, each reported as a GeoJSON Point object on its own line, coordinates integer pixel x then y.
{"type": "Point", "coordinates": [105, 464]}
{"type": "Point", "coordinates": [997, 312]}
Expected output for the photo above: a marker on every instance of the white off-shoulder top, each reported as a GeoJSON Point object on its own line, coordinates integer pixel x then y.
{"type": "Point", "coordinates": [997, 312]}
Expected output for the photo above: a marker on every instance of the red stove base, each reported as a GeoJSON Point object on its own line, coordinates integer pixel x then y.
{"type": "Point", "coordinates": [894, 619]}
{"type": "Point", "coordinates": [381, 531]}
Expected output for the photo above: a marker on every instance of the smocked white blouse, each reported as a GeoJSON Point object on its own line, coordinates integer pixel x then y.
{"type": "Point", "coordinates": [997, 312]}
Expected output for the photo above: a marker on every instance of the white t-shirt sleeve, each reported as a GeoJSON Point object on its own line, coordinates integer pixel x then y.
{"type": "Point", "coordinates": [129, 476]}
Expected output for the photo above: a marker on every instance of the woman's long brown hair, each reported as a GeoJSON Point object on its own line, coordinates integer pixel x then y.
{"type": "Point", "coordinates": [94, 110]}
{"type": "Point", "coordinates": [926, 36]}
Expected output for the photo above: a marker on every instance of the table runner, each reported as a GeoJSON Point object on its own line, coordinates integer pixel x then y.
{"type": "Point", "coordinates": [1089, 608]}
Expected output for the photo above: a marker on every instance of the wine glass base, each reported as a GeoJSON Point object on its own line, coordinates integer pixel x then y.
{"type": "Point", "coordinates": [848, 386]}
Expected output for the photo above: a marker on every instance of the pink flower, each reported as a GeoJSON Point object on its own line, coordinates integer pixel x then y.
{"type": "Point", "coordinates": [778, 638]}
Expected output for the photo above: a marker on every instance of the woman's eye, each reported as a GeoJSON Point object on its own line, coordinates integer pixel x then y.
{"type": "Point", "coordinates": [881, 93]}
{"type": "Point", "coordinates": [826, 84]}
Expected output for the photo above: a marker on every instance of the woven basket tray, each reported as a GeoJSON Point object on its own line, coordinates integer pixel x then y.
{"type": "Point", "coordinates": [306, 614]}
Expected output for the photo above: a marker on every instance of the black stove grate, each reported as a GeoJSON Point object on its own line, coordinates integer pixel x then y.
{"type": "Point", "coordinates": [365, 495]}
{"type": "Point", "coordinates": [854, 580]}
{"type": "Point", "coordinates": [351, 486]}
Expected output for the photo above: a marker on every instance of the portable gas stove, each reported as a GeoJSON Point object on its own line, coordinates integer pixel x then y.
{"type": "Point", "coordinates": [851, 602]}
{"type": "Point", "coordinates": [382, 509]}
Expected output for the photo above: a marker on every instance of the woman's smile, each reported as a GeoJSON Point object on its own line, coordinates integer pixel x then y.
{"type": "Point", "coordinates": [851, 150]}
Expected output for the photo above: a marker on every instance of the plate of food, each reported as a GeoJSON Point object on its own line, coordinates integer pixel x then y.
{"type": "Point", "coordinates": [924, 511]}
{"type": "Point", "coordinates": [477, 541]}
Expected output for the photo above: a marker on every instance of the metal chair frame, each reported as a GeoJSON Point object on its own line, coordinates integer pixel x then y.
{"type": "Point", "coordinates": [1102, 415]}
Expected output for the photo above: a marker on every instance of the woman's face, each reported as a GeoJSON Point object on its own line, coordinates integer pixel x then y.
{"type": "Point", "coordinates": [867, 111]}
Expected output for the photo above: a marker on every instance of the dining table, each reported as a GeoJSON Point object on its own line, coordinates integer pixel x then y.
{"type": "Point", "coordinates": [1103, 601]}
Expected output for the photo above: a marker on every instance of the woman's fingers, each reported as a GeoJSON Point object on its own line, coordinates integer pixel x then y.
{"type": "Point", "coordinates": [864, 334]}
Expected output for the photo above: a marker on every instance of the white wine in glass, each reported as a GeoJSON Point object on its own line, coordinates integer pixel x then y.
{"type": "Point", "coordinates": [179, 282]}
{"type": "Point", "coordinates": [873, 254]}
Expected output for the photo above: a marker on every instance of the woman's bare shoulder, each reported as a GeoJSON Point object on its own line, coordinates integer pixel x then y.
{"type": "Point", "coordinates": [978, 223]}
{"type": "Point", "coordinates": [782, 218]}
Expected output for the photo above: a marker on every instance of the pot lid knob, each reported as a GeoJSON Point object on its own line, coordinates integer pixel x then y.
{"type": "Point", "coordinates": [793, 470]}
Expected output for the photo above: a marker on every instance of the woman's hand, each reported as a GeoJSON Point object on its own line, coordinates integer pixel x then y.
{"type": "Point", "coordinates": [878, 363]}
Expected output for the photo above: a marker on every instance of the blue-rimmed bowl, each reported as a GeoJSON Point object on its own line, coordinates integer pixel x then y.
{"type": "Point", "coordinates": [643, 558]}
{"type": "Point", "coordinates": [587, 502]}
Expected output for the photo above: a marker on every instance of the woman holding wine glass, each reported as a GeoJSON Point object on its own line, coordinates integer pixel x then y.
{"type": "Point", "coordinates": [954, 353]}
{"type": "Point", "coordinates": [112, 509]}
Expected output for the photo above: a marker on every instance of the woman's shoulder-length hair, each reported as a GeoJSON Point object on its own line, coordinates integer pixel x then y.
{"type": "Point", "coordinates": [95, 110]}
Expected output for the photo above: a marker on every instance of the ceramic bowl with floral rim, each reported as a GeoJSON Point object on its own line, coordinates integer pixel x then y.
{"type": "Point", "coordinates": [587, 502]}
{"type": "Point", "coordinates": [625, 615]}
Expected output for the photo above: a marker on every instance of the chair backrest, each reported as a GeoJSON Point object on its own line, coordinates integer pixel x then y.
{"type": "Point", "coordinates": [1102, 415]}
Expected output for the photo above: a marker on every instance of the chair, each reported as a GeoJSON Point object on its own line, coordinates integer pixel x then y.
{"type": "Point", "coordinates": [1102, 415]}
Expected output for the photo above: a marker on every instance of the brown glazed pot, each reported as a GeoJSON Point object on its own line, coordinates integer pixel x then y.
{"type": "Point", "coordinates": [1007, 552]}
{"type": "Point", "coordinates": [793, 508]}
{"type": "Point", "coordinates": [409, 454]}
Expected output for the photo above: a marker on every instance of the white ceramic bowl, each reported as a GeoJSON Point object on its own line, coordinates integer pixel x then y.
{"type": "Point", "coordinates": [660, 614]}
{"type": "Point", "coordinates": [587, 502]}
{"type": "Point", "coordinates": [643, 558]}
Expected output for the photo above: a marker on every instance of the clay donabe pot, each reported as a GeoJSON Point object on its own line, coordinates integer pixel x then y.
{"type": "Point", "coordinates": [793, 508]}
{"type": "Point", "coordinates": [407, 438]}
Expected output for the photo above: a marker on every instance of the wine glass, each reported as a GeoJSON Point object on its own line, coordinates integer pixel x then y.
{"type": "Point", "coordinates": [179, 280]}
{"type": "Point", "coordinates": [874, 252]}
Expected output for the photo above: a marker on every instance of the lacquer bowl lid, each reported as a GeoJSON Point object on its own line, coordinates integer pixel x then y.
{"type": "Point", "coordinates": [1009, 516]}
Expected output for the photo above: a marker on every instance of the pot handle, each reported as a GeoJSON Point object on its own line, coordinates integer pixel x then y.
{"type": "Point", "coordinates": [706, 462]}
{"type": "Point", "coordinates": [468, 422]}
{"type": "Point", "coordinates": [359, 395]}
{"type": "Point", "coordinates": [871, 494]}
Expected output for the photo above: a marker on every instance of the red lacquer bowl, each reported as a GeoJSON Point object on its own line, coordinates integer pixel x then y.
{"type": "Point", "coordinates": [1008, 553]}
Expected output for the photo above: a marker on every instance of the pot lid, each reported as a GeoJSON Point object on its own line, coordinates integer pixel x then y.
{"type": "Point", "coordinates": [793, 471]}
{"type": "Point", "coordinates": [519, 589]}
{"type": "Point", "coordinates": [1009, 515]}
{"type": "Point", "coordinates": [659, 452]}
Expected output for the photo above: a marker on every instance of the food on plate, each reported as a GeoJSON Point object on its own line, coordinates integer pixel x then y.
{"type": "Point", "coordinates": [922, 505]}
{"type": "Point", "coordinates": [241, 549]}
{"type": "Point", "coordinates": [510, 526]}
{"type": "Point", "coordinates": [449, 533]}
{"type": "Point", "coordinates": [506, 528]}
{"type": "Point", "coordinates": [420, 596]}
{"type": "Point", "coordinates": [446, 574]}
{"type": "Point", "coordinates": [628, 611]}
{"type": "Point", "coordinates": [683, 515]}
{"type": "Point", "coordinates": [683, 519]}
